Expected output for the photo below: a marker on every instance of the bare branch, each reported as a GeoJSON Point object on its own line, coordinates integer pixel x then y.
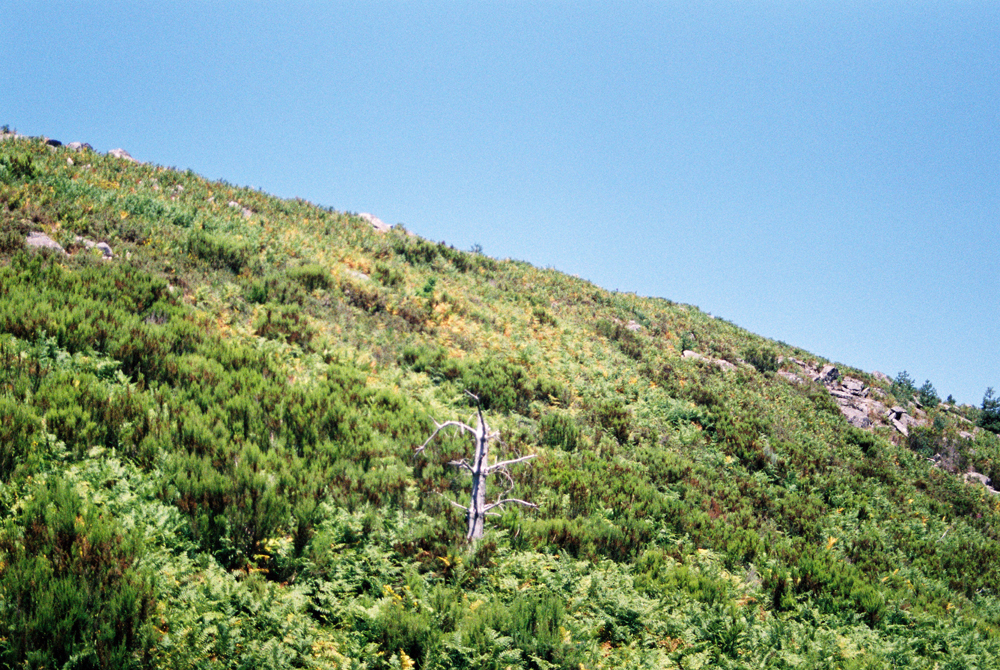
{"type": "Point", "coordinates": [440, 427]}
{"type": "Point", "coordinates": [500, 503]}
{"type": "Point", "coordinates": [504, 464]}
{"type": "Point", "coordinates": [459, 506]}
{"type": "Point", "coordinates": [508, 480]}
{"type": "Point", "coordinates": [461, 464]}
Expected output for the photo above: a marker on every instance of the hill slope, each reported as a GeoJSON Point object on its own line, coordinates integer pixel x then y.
{"type": "Point", "coordinates": [207, 457]}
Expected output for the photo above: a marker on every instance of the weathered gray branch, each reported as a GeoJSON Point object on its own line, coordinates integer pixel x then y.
{"type": "Point", "coordinates": [500, 503]}
{"type": "Point", "coordinates": [504, 464]}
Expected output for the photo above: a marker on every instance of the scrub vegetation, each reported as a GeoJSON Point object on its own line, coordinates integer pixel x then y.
{"type": "Point", "coordinates": [207, 458]}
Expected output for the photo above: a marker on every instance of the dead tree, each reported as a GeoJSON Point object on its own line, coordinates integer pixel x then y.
{"type": "Point", "coordinates": [480, 469]}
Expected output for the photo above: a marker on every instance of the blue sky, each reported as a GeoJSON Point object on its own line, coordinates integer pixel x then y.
{"type": "Point", "coordinates": [823, 173]}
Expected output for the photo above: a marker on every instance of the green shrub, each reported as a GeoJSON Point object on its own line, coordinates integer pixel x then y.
{"type": "Point", "coordinates": [762, 357]}
{"type": "Point", "coordinates": [20, 434]}
{"type": "Point", "coordinates": [387, 275]}
{"type": "Point", "coordinates": [499, 385]}
{"type": "Point", "coordinates": [312, 276]}
{"type": "Point", "coordinates": [286, 323]}
{"type": "Point", "coordinates": [622, 335]}
{"type": "Point", "coordinates": [73, 592]}
{"type": "Point", "coordinates": [17, 167]}
{"type": "Point", "coordinates": [614, 418]}
{"type": "Point", "coordinates": [221, 252]}
{"type": "Point", "coordinates": [559, 432]}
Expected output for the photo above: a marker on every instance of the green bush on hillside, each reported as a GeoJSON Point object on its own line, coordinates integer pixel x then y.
{"type": "Point", "coordinates": [73, 592]}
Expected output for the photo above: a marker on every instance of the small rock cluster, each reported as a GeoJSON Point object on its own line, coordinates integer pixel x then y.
{"type": "Point", "coordinates": [724, 364]}
{"type": "Point", "coordinates": [42, 241]}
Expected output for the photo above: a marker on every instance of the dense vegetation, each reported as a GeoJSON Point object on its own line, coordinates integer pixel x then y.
{"type": "Point", "coordinates": [206, 458]}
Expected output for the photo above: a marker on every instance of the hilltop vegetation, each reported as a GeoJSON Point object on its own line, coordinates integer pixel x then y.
{"type": "Point", "coordinates": [206, 458]}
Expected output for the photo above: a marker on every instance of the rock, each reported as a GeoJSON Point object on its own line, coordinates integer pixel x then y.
{"type": "Point", "coordinates": [901, 427]}
{"type": "Point", "coordinates": [966, 434]}
{"type": "Point", "coordinates": [854, 386]}
{"type": "Point", "coordinates": [80, 146]}
{"type": "Point", "coordinates": [361, 276]}
{"type": "Point", "coordinates": [897, 411]}
{"type": "Point", "coordinates": [121, 153]}
{"type": "Point", "coordinates": [882, 377]}
{"type": "Point", "coordinates": [791, 376]}
{"type": "Point", "coordinates": [102, 246]}
{"type": "Point", "coordinates": [43, 241]}
{"type": "Point", "coordinates": [53, 143]}
{"type": "Point", "coordinates": [829, 374]}
{"type": "Point", "coordinates": [378, 224]}
{"type": "Point", "coordinates": [633, 326]}
{"type": "Point", "coordinates": [856, 417]}
{"type": "Point", "coordinates": [973, 476]}
{"type": "Point", "coordinates": [725, 365]}
{"type": "Point", "coordinates": [247, 213]}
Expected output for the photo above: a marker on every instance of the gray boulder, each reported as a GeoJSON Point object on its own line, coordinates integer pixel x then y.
{"type": "Point", "coordinates": [43, 241]}
{"type": "Point", "coordinates": [829, 374]}
{"type": "Point", "coordinates": [79, 146]}
{"type": "Point", "coordinates": [122, 154]}
{"type": "Point", "coordinates": [856, 417]}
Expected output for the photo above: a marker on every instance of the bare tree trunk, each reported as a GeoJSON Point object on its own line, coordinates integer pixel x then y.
{"type": "Point", "coordinates": [476, 515]}
{"type": "Point", "coordinates": [480, 469]}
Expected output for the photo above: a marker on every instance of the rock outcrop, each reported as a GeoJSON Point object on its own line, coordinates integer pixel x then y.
{"type": "Point", "coordinates": [378, 224]}
{"type": "Point", "coordinates": [859, 403]}
{"type": "Point", "coordinates": [122, 154]}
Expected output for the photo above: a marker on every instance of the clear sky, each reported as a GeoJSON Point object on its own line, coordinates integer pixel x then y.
{"type": "Point", "coordinates": [823, 173]}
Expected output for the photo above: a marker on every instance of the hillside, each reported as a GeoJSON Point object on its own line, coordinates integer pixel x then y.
{"type": "Point", "coordinates": [208, 429]}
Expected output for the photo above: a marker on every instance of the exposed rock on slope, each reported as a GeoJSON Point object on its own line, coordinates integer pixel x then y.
{"type": "Point", "coordinates": [858, 402]}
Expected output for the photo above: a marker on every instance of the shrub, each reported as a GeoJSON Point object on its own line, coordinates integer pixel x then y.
{"type": "Point", "coordinates": [312, 276]}
{"type": "Point", "coordinates": [73, 592]}
{"type": "Point", "coordinates": [286, 323]}
{"type": "Point", "coordinates": [614, 418]}
{"type": "Point", "coordinates": [763, 358]}
{"type": "Point", "coordinates": [218, 251]}
{"type": "Point", "coordinates": [625, 338]}
{"type": "Point", "coordinates": [387, 275]}
{"type": "Point", "coordinates": [559, 431]}
{"type": "Point", "coordinates": [17, 167]}
{"type": "Point", "coordinates": [500, 386]}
